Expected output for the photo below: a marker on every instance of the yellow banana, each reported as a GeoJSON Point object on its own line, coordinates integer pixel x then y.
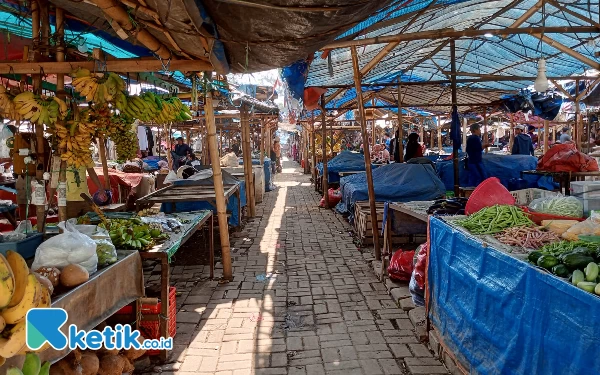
{"type": "Point", "coordinates": [33, 293]}
{"type": "Point", "coordinates": [23, 97]}
{"type": "Point", "coordinates": [20, 272]}
{"type": "Point", "coordinates": [15, 342]}
{"type": "Point", "coordinates": [7, 282]}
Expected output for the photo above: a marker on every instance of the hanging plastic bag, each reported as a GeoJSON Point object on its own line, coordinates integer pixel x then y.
{"type": "Point", "coordinates": [171, 177]}
{"type": "Point", "coordinates": [420, 271]}
{"type": "Point", "coordinates": [105, 250]}
{"type": "Point", "coordinates": [401, 265]}
{"type": "Point", "coordinates": [69, 247]}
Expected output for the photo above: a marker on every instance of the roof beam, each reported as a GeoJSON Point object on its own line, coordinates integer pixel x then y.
{"type": "Point", "coordinates": [573, 13]}
{"type": "Point", "coordinates": [420, 105]}
{"type": "Point", "coordinates": [527, 15]}
{"type": "Point", "coordinates": [467, 33]}
{"type": "Point", "coordinates": [562, 48]}
{"type": "Point", "coordinates": [587, 90]}
{"type": "Point", "coordinates": [121, 65]}
{"type": "Point", "coordinates": [561, 89]}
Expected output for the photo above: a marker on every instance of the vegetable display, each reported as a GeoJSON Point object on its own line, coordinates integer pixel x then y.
{"type": "Point", "coordinates": [495, 219]}
{"type": "Point", "coordinates": [527, 237]}
{"type": "Point", "coordinates": [133, 234]}
{"type": "Point", "coordinates": [558, 205]}
{"type": "Point", "coordinates": [453, 206]}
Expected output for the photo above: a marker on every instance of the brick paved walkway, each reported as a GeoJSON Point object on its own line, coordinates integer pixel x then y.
{"type": "Point", "coordinates": [303, 301]}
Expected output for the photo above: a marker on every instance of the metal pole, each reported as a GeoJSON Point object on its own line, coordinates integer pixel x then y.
{"type": "Point", "coordinates": [546, 130]}
{"type": "Point", "coordinates": [324, 148]}
{"type": "Point", "coordinates": [455, 147]}
{"type": "Point", "coordinates": [363, 125]}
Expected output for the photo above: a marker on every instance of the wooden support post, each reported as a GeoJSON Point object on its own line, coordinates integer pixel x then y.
{"type": "Point", "coordinates": [422, 132]}
{"type": "Point", "coordinates": [221, 143]}
{"type": "Point", "coordinates": [546, 130]}
{"type": "Point", "coordinates": [247, 155]}
{"type": "Point", "coordinates": [211, 130]}
{"type": "Point", "coordinates": [42, 23]}
{"type": "Point", "coordinates": [305, 149]}
{"type": "Point", "coordinates": [464, 135]}
{"type": "Point", "coordinates": [363, 125]}
{"type": "Point", "coordinates": [485, 129]}
{"type": "Point", "coordinates": [103, 161]}
{"type": "Point", "coordinates": [262, 142]}
{"type": "Point", "coordinates": [324, 150]}
{"type": "Point", "coordinates": [455, 148]}
{"type": "Point", "coordinates": [578, 128]}
{"type": "Point", "coordinates": [313, 149]}
{"type": "Point", "coordinates": [400, 124]}
{"type": "Point", "coordinates": [60, 92]}
{"type": "Point", "coordinates": [512, 133]}
{"type": "Point", "coordinates": [439, 134]}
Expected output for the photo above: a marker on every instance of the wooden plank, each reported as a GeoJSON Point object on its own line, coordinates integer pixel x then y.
{"type": "Point", "coordinates": [121, 65]}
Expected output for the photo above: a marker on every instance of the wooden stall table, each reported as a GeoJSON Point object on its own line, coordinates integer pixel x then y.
{"type": "Point", "coordinates": [190, 193]}
{"type": "Point", "coordinates": [563, 178]}
{"type": "Point", "coordinates": [165, 251]}
{"type": "Point", "coordinates": [404, 219]}
{"type": "Point", "coordinates": [106, 292]}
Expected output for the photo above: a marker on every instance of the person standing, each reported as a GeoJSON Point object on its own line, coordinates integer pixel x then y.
{"type": "Point", "coordinates": [77, 184]}
{"type": "Point", "coordinates": [522, 144]}
{"type": "Point", "coordinates": [413, 147]}
{"type": "Point", "coordinates": [180, 153]}
{"type": "Point", "coordinates": [476, 170]}
{"type": "Point", "coordinates": [565, 136]}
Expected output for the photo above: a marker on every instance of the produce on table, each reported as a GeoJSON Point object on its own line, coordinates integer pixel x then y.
{"type": "Point", "coordinates": [597, 289]}
{"type": "Point", "coordinates": [547, 261]}
{"type": "Point", "coordinates": [591, 271]}
{"type": "Point", "coordinates": [2, 324]}
{"type": "Point", "coordinates": [587, 227]}
{"type": "Point", "coordinates": [562, 247]}
{"type": "Point", "coordinates": [526, 237]}
{"type": "Point", "coordinates": [453, 206]}
{"type": "Point", "coordinates": [558, 205]}
{"type": "Point", "coordinates": [576, 260]}
{"type": "Point", "coordinates": [587, 286]}
{"type": "Point", "coordinates": [40, 109]}
{"type": "Point", "coordinates": [577, 277]}
{"type": "Point", "coordinates": [133, 234]}
{"type": "Point", "coordinates": [73, 275]}
{"type": "Point", "coordinates": [90, 363]}
{"type": "Point", "coordinates": [44, 282]}
{"type": "Point", "coordinates": [106, 251]}
{"type": "Point", "coordinates": [31, 366]}
{"type": "Point", "coordinates": [7, 282]}
{"type": "Point", "coordinates": [560, 270]}
{"type": "Point", "coordinates": [51, 273]}
{"type": "Point", "coordinates": [559, 226]}
{"type": "Point", "coordinates": [495, 219]}
{"type": "Point", "coordinates": [20, 272]}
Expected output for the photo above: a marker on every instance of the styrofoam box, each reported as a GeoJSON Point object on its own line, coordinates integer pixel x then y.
{"type": "Point", "coordinates": [589, 193]}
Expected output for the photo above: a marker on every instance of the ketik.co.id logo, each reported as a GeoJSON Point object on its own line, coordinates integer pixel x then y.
{"type": "Point", "coordinates": [44, 324]}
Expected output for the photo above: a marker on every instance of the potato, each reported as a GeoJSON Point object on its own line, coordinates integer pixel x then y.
{"type": "Point", "coordinates": [111, 365]}
{"type": "Point", "coordinates": [45, 282]}
{"type": "Point", "coordinates": [51, 273]}
{"type": "Point", "coordinates": [90, 363]}
{"type": "Point", "coordinates": [73, 275]}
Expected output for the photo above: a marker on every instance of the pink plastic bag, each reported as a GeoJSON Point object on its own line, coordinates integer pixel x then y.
{"type": "Point", "coordinates": [335, 196]}
{"type": "Point", "coordinates": [420, 271]}
{"type": "Point", "coordinates": [401, 265]}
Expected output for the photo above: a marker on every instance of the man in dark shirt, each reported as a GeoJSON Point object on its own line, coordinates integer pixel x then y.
{"type": "Point", "coordinates": [181, 152]}
{"type": "Point", "coordinates": [476, 171]}
{"type": "Point", "coordinates": [522, 144]}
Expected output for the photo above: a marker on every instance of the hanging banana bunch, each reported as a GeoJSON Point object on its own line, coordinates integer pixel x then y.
{"type": "Point", "coordinates": [40, 110]}
{"type": "Point", "coordinates": [97, 87]}
{"type": "Point", "coordinates": [7, 106]}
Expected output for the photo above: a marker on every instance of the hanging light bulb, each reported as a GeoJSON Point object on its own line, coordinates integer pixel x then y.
{"type": "Point", "coordinates": [541, 82]}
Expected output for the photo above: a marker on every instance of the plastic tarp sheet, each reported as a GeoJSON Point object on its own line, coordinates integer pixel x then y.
{"type": "Point", "coordinates": [499, 315]}
{"type": "Point", "coordinates": [232, 202]}
{"type": "Point", "coordinates": [345, 161]}
{"type": "Point", "coordinates": [396, 182]}
{"type": "Point", "coordinates": [505, 167]}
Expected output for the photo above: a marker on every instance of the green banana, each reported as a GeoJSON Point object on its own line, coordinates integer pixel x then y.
{"type": "Point", "coordinates": [32, 364]}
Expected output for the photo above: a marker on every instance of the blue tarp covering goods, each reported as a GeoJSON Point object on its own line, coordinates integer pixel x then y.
{"type": "Point", "coordinates": [393, 182]}
{"type": "Point", "coordinates": [345, 161]}
{"type": "Point", "coordinates": [499, 315]}
{"type": "Point", "coordinates": [505, 167]}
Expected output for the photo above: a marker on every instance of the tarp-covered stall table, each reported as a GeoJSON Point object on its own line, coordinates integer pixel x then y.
{"type": "Point", "coordinates": [346, 161]}
{"type": "Point", "coordinates": [191, 222]}
{"type": "Point", "coordinates": [89, 304]}
{"type": "Point", "coordinates": [500, 315]}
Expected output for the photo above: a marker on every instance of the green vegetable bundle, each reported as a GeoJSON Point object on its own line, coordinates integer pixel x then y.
{"type": "Point", "coordinates": [495, 219]}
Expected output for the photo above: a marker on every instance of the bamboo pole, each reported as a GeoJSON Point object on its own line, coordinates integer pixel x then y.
{"type": "Point", "coordinates": [324, 150]}
{"type": "Point", "coordinates": [220, 143]}
{"type": "Point", "coordinates": [546, 130]}
{"type": "Point", "coordinates": [577, 128]}
{"type": "Point", "coordinates": [305, 149]}
{"type": "Point", "coordinates": [102, 151]}
{"type": "Point", "coordinates": [512, 133]}
{"type": "Point", "coordinates": [367, 155]}
{"type": "Point", "coordinates": [485, 129]}
{"type": "Point", "coordinates": [43, 19]}
{"type": "Point", "coordinates": [400, 124]}
{"type": "Point", "coordinates": [219, 190]}
{"type": "Point", "coordinates": [262, 142]}
{"type": "Point", "coordinates": [60, 87]}
{"type": "Point", "coordinates": [439, 134]}
{"type": "Point", "coordinates": [454, 105]}
{"type": "Point", "coordinates": [247, 155]}
{"type": "Point", "coordinates": [313, 149]}
{"type": "Point", "coordinates": [464, 135]}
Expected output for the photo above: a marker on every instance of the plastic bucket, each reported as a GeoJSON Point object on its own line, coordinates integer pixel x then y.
{"type": "Point", "coordinates": [489, 193]}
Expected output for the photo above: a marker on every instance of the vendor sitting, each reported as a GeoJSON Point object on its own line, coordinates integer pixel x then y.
{"type": "Point", "coordinates": [77, 184]}
{"type": "Point", "coordinates": [180, 153]}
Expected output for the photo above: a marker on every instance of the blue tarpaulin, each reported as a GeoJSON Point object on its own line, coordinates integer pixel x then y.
{"type": "Point", "coordinates": [396, 182]}
{"type": "Point", "coordinates": [505, 167]}
{"type": "Point", "coordinates": [267, 168]}
{"type": "Point", "coordinates": [345, 161]}
{"type": "Point", "coordinates": [499, 315]}
{"type": "Point", "coordinates": [232, 202]}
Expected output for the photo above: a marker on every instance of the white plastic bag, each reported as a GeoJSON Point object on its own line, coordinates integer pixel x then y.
{"type": "Point", "coordinates": [70, 247]}
{"type": "Point", "coordinates": [172, 176]}
{"type": "Point", "coordinates": [20, 232]}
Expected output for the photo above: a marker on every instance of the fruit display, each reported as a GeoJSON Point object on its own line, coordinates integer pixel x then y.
{"type": "Point", "coordinates": [125, 138]}
{"type": "Point", "coordinates": [20, 290]}
{"type": "Point", "coordinates": [149, 107]}
{"type": "Point", "coordinates": [97, 87]}
{"type": "Point", "coordinates": [133, 234]}
{"type": "Point", "coordinates": [31, 366]}
{"type": "Point", "coordinates": [74, 141]}
{"type": "Point", "coordinates": [40, 109]}
{"type": "Point", "coordinates": [7, 106]}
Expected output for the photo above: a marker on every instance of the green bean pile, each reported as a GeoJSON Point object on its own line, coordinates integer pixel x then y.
{"type": "Point", "coordinates": [495, 219]}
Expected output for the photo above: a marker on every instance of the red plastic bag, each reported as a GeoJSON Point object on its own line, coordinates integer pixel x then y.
{"type": "Point", "coordinates": [566, 158]}
{"type": "Point", "coordinates": [335, 196]}
{"type": "Point", "coordinates": [420, 271]}
{"type": "Point", "coordinates": [401, 265]}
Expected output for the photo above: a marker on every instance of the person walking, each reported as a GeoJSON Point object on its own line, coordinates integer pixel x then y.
{"type": "Point", "coordinates": [476, 170]}
{"type": "Point", "coordinates": [522, 144]}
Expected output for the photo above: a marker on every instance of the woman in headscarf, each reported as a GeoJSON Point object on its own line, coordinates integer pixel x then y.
{"type": "Point", "coordinates": [413, 147]}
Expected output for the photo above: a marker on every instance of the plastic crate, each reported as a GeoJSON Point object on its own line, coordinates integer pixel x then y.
{"type": "Point", "coordinates": [26, 247]}
{"type": "Point", "coordinates": [588, 192]}
{"type": "Point", "coordinates": [151, 330]}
